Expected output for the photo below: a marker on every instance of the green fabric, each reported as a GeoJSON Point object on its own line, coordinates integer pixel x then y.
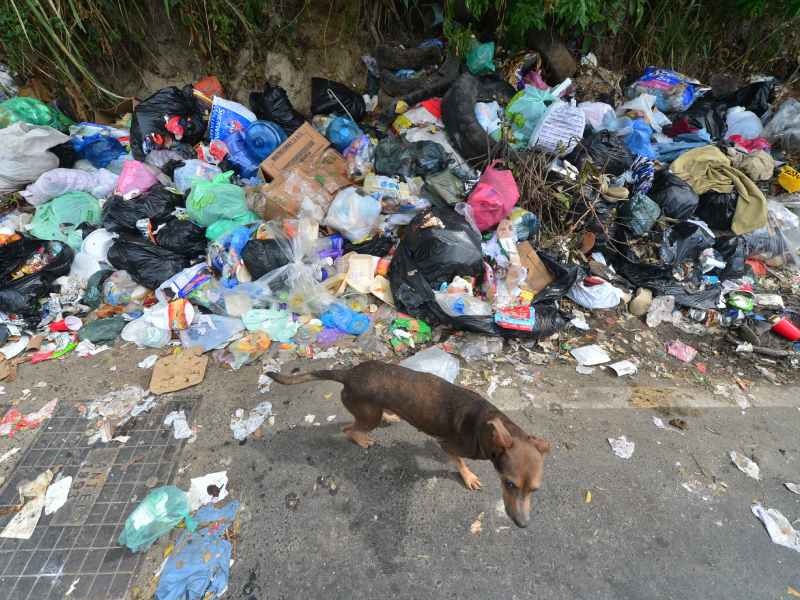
{"type": "Point", "coordinates": [33, 111]}
{"type": "Point", "coordinates": [708, 169]}
{"type": "Point", "coordinates": [215, 200]}
{"type": "Point", "coordinates": [59, 218]}
{"type": "Point", "coordinates": [480, 59]}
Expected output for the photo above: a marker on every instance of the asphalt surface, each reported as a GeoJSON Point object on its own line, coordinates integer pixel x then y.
{"type": "Point", "coordinates": [323, 518]}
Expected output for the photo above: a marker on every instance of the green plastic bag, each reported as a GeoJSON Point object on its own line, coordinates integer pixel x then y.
{"type": "Point", "coordinates": [639, 213]}
{"type": "Point", "coordinates": [103, 331]}
{"type": "Point", "coordinates": [223, 227]}
{"type": "Point", "coordinates": [525, 111]}
{"type": "Point", "coordinates": [480, 59]}
{"type": "Point", "coordinates": [33, 111]}
{"type": "Point", "coordinates": [160, 511]}
{"type": "Point", "coordinates": [211, 201]}
{"type": "Point", "coordinates": [58, 219]}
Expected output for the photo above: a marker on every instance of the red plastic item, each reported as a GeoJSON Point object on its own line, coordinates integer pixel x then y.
{"type": "Point", "coordinates": [209, 86]}
{"type": "Point", "coordinates": [494, 197]}
{"type": "Point", "coordinates": [786, 329]}
{"type": "Point", "coordinates": [58, 326]}
{"type": "Point", "coordinates": [433, 106]}
{"type": "Point", "coordinates": [759, 268]}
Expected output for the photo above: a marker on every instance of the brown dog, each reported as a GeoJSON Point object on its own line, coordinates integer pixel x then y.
{"type": "Point", "coordinates": [465, 424]}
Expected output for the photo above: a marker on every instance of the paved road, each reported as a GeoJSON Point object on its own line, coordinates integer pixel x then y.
{"type": "Point", "coordinates": [326, 519]}
{"type": "Point", "coordinates": [394, 521]}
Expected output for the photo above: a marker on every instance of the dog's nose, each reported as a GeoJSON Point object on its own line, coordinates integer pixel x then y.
{"type": "Point", "coordinates": [521, 522]}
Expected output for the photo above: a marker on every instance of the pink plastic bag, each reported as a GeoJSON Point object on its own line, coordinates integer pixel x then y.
{"type": "Point", "coordinates": [494, 197]}
{"type": "Point", "coordinates": [135, 177]}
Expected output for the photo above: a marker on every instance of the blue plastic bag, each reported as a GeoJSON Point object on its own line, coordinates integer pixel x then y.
{"type": "Point", "coordinates": [342, 318]}
{"type": "Point", "coordinates": [638, 140]}
{"type": "Point", "coordinates": [98, 149]}
{"type": "Point", "coordinates": [199, 566]}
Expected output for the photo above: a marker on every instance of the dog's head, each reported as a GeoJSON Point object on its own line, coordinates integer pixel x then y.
{"type": "Point", "coordinates": [519, 462]}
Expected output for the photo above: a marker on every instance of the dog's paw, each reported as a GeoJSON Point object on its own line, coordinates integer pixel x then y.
{"type": "Point", "coordinates": [471, 481]}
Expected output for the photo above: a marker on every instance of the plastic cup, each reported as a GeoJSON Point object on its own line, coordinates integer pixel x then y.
{"type": "Point", "coordinates": [73, 323]}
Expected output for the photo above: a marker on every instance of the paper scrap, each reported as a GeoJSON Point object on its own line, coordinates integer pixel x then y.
{"type": "Point", "coordinates": [180, 427]}
{"type": "Point", "coordinates": [208, 489]}
{"type": "Point", "coordinates": [591, 355]}
{"type": "Point", "coordinates": [476, 527]}
{"type": "Point", "coordinates": [21, 527]}
{"type": "Point", "coordinates": [148, 362]}
{"type": "Point", "coordinates": [309, 418]}
{"type": "Point", "coordinates": [6, 455]}
{"type": "Point", "coordinates": [683, 352]}
{"type": "Point", "coordinates": [56, 495]}
{"type": "Point", "coordinates": [242, 426]}
{"type": "Point", "coordinates": [622, 447]}
{"type": "Point", "coordinates": [745, 465]}
{"type": "Point", "coordinates": [792, 487]}
{"type": "Point", "coordinates": [779, 528]}
{"type": "Point", "coordinates": [624, 367]}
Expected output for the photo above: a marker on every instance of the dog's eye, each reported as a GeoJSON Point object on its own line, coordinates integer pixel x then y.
{"type": "Point", "coordinates": [510, 484]}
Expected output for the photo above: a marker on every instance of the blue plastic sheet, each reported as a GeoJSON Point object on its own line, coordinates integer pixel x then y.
{"type": "Point", "coordinates": [199, 566]}
{"type": "Point", "coordinates": [638, 140]}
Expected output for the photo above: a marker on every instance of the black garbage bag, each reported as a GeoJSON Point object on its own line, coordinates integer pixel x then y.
{"type": "Point", "coordinates": [14, 254]}
{"type": "Point", "coordinates": [676, 198]}
{"type": "Point", "coordinates": [605, 151]}
{"type": "Point", "coordinates": [273, 104]}
{"type": "Point", "coordinates": [324, 95]}
{"type": "Point", "coordinates": [380, 245]}
{"type": "Point", "coordinates": [394, 156]}
{"type": "Point", "coordinates": [493, 87]}
{"type": "Point", "coordinates": [734, 251]}
{"type": "Point", "coordinates": [182, 237]}
{"type": "Point", "coordinates": [709, 116]}
{"type": "Point", "coordinates": [66, 153]}
{"type": "Point", "coordinates": [684, 241]}
{"type": "Point", "coordinates": [4, 333]}
{"type": "Point", "coordinates": [754, 97]}
{"type": "Point", "coordinates": [438, 245]}
{"type": "Point", "coordinates": [152, 113]}
{"type": "Point", "coordinates": [156, 204]}
{"type": "Point", "coordinates": [433, 81]}
{"type": "Point", "coordinates": [461, 124]}
{"type": "Point", "coordinates": [148, 265]}
{"type": "Point", "coordinates": [717, 209]}
{"type": "Point", "coordinates": [264, 256]}
{"type": "Point", "coordinates": [21, 296]}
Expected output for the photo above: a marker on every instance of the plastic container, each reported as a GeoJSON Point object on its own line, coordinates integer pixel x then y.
{"type": "Point", "coordinates": [786, 329]}
{"type": "Point", "coordinates": [744, 123]}
{"type": "Point", "coordinates": [240, 156]}
{"type": "Point", "coordinates": [262, 137]}
{"type": "Point", "coordinates": [434, 361]}
{"type": "Point", "coordinates": [342, 318]}
{"type": "Point", "coordinates": [458, 305]}
{"type": "Point", "coordinates": [341, 132]}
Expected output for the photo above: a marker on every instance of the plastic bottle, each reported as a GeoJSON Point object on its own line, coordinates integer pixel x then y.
{"type": "Point", "coordinates": [342, 318]}
{"type": "Point", "coordinates": [329, 247]}
{"type": "Point", "coordinates": [341, 132]}
{"type": "Point", "coordinates": [744, 123]}
{"type": "Point", "coordinates": [240, 156]}
{"type": "Point", "coordinates": [457, 305]}
{"type": "Point", "coordinates": [262, 137]}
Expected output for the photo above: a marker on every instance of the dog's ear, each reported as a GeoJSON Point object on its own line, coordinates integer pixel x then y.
{"type": "Point", "coordinates": [500, 437]}
{"type": "Point", "coordinates": [540, 444]}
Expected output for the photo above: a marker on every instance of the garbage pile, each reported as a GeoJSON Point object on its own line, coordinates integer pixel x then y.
{"type": "Point", "coordinates": [198, 221]}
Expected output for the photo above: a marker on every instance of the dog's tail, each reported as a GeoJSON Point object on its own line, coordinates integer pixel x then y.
{"type": "Point", "coordinates": [331, 375]}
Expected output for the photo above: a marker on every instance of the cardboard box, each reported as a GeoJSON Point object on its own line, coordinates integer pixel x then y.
{"type": "Point", "coordinates": [302, 145]}
{"type": "Point", "coordinates": [329, 169]}
{"type": "Point", "coordinates": [538, 275]}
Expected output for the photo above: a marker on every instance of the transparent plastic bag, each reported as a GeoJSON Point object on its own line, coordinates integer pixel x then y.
{"type": "Point", "coordinates": [192, 170]}
{"type": "Point", "coordinates": [783, 129]}
{"type": "Point", "coordinates": [434, 361]}
{"type": "Point", "coordinates": [58, 219]}
{"type": "Point", "coordinates": [210, 332]}
{"type": "Point", "coordinates": [160, 511]}
{"type": "Point", "coordinates": [100, 184]}
{"type": "Point", "coordinates": [353, 214]}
